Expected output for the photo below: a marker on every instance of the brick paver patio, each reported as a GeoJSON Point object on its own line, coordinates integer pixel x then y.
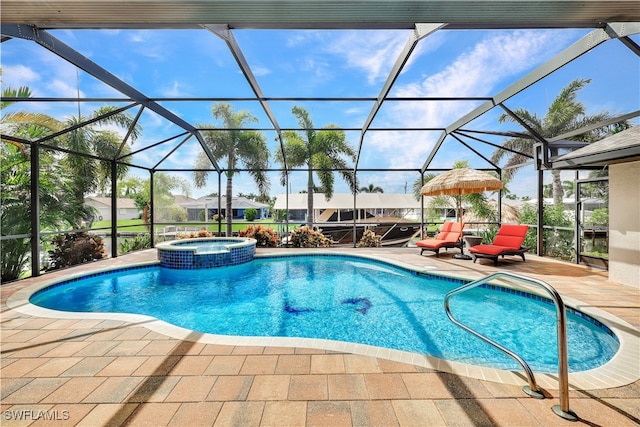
{"type": "Point", "coordinates": [95, 372]}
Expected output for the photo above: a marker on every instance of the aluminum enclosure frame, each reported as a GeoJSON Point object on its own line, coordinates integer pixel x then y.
{"type": "Point", "coordinates": [611, 20]}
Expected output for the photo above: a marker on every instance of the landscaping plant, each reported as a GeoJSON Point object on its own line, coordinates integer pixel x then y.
{"type": "Point", "coordinates": [265, 237]}
{"type": "Point", "coordinates": [305, 237]}
{"type": "Point", "coordinates": [370, 239]}
{"type": "Point", "coordinates": [195, 234]}
{"type": "Point", "coordinates": [141, 241]}
{"type": "Point", "coordinates": [75, 248]}
{"type": "Point", "coordinates": [250, 214]}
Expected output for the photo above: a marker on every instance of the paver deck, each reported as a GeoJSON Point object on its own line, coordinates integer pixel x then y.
{"type": "Point", "coordinates": [93, 371]}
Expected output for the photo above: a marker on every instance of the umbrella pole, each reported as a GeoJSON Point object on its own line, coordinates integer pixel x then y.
{"type": "Point", "coordinates": [461, 255]}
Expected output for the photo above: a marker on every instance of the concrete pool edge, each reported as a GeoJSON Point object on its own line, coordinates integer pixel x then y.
{"type": "Point", "coordinates": [619, 371]}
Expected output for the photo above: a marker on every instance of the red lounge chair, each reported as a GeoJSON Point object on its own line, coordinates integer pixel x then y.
{"type": "Point", "coordinates": [448, 237]}
{"type": "Point", "coordinates": [508, 241]}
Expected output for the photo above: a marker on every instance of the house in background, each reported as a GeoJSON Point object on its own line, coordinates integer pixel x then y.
{"type": "Point", "coordinates": [196, 208]}
{"type": "Point", "coordinates": [127, 208]}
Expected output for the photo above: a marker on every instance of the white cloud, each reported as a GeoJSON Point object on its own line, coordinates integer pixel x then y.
{"type": "Point", "coordinates": [149, 45]}
{"type": "Point", "coordinates": [65, 90]}
{"type": "Point", "coordinates": [373, 52]}
{"type": "Point", "coordinates": [18, 75]}
{"type": "Point", "coordinates": [260, 71]}
{"type": "Point", "coordinates": [175, 90]}
{"type": "Point", "coordinates": [476, 72]}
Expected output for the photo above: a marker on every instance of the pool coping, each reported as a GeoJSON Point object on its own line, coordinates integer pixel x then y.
{"type": "Point", "coordinates": [621, 370]}
{"type": "Point", "coordinates": [184, 244]}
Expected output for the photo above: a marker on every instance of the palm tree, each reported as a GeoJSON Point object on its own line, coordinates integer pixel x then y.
{"type": "Point", "coordinates": [95, 175]}
{"type": "Point", "coordinates": [418, 183]}
{"type": "Point", "coordinates": [371, 189]}
{"type": "Point", "coordinates": [84, 174]}
{"type": "Point", "coordinates": [61, 198]}
{"type": "Point", "coordinates": [569, 188]}
{"type": "Point", "coordinates": [20, 123]}
{"type": "Point", "coordinates": [323, 151]}
{"type": "Point", "coordinates": [563, 115]}
{"type": "Point", "coordinates": [236, 146]}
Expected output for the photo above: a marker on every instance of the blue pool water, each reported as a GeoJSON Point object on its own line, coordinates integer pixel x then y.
{"type": "Point", "coordinates": [341, 298]}
{"type": "Point", "coordinates": [210, 247]}
{"type": "Point", "coordinates": [205, 245]}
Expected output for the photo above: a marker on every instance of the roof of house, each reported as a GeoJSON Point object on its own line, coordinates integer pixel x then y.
{"type": "Point", "coordinates": [180, 198]}
{"type": "Point", "coordinates": [212, 203]}
{"type": "Point", "coordinates": [621, 147]}
{"type": "Point", "coordinates": [121, 202]}
{"type": "Point", "coordinates": [345, 201]}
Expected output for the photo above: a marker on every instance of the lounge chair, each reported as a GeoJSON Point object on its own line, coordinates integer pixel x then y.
{"type": "Point", "coordinates": [448, 237]}
{"type": "Point", "coordinates": [508, 241]}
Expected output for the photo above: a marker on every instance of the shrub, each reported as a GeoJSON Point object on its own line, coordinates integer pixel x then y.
{"type": "Point", "coordinates": [265, 236]}
{"type": "Point", "coordinates": [370, 239]}
{"type": "Point", "coordinates": [556, 243]}
{"type": "Point", "coordinates": [172, 213]}
{"type": "Point", "coordinates": [141, 241]}
{"type": "Point", "coordinates": [489, 234]}
{"type": "Point", "coordinates": [599, 217]}
{"type": "Point", "coordinates": [280, 215]}
{"type": "Point", "coordinates": [305, 237]}
{"type": "Point", "coordinates": [75, 248]}
{"type": "Point", "coordinates": [195, 234]}
{"type": "Point", "coordinates": [14, 257]}
{"type": "Point", "coordinates": [175, 213]}
{"type": "Point", "coordinates": [250, 214]}
{"type": "Point", "coordinates": [218, 217]}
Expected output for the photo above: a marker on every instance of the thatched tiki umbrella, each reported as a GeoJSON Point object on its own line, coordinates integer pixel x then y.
{"type": "Point", "coordinates": [457, 182]}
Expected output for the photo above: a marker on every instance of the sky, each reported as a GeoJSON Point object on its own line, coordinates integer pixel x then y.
{"type": "Point", "coordinates": [327, 63]}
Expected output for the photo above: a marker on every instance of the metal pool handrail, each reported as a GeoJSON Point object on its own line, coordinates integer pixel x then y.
{"type": "Point", "coordinates": [532, 389]}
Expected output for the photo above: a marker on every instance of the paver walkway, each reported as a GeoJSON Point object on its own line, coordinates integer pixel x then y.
{"type": "Point", "coordinates": [93, 372]}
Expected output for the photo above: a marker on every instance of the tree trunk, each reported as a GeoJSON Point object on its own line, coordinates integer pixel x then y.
{"type": "Point", "coordinates": [229, 204]}
{"type": "Point", "coordinates": [310, 198]}
{"type": "Point", "coordinates": [558, 192]}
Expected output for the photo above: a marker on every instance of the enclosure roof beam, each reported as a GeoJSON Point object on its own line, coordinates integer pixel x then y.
{"type": "Point", "coordinates": [434, 151]}
{"type": "Point", "coordinates": [420, 31]}
{"type": "Point", "coordinates": [579, 48]}
{"type": "Point", "coordinates": [56, 46]}
{"type": "Point", "coordinates": [129, 132]}
{"type": "Point", "coordinates": [525, 125]}
{"type": "Point", "coordinates": [224, 32]}
{"type": "Point", "coordinates": [462, 133]}
{"type": "Point", "coordinates": [593, 126]}
{"type": "Point", "coordinates": [318, 14]}
{"type": "Point", "coordinates": [479, 154]}
{"type": "Point", "coordinates": [510, 134]}
{"type": "Point", "coordinates": [86, 123]}
{"type": "Point", "coordinates": [153, 145]}
{"type": "Point", "coordinates": [172, 151]}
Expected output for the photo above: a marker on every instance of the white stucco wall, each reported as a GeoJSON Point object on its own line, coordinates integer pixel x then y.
{"type": "Point", "coordinates": [624, 223]}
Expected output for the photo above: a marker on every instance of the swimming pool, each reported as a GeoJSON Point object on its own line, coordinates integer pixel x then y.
{"type": "Point", "coordinates": [342, 298]}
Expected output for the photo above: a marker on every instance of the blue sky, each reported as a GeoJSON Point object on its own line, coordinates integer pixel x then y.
{"type": "Point", "coordinates": [326, 63]}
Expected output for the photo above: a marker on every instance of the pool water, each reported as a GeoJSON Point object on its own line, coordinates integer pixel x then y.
{"type": "Point", "coordinates": [341, 298]}
{"type": "Point", "coordinates": [211, 247]}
